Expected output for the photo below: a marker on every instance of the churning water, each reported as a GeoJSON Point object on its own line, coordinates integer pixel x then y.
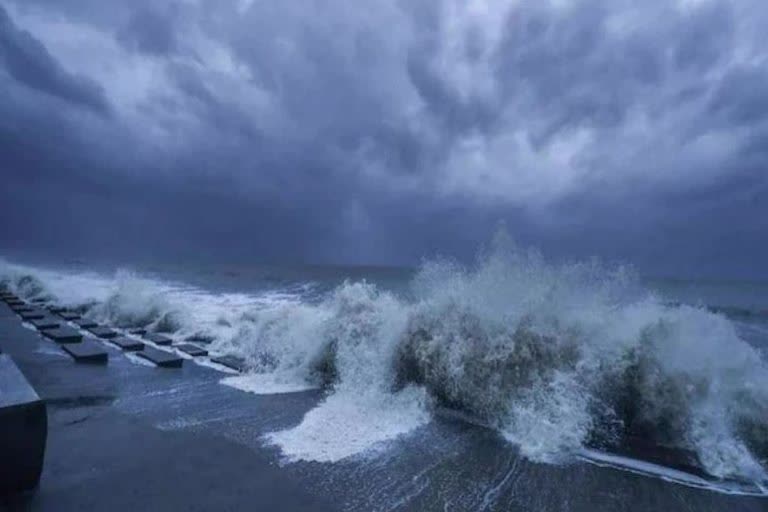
{"type": "Point", "coordinates": [561, 360]}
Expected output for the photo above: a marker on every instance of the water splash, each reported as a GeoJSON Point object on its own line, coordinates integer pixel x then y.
{"type": "Point", "coordinates": [555, 357]}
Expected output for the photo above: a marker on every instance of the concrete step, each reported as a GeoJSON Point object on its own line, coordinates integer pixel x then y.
{"type": "Point", "coordinates": [87, 351]}
{"type": "Point", "coordinates": [158, 339]}
{"type": "Point", "coordinates": [23, 431]}
{"type": "Point", "coordinates": [64, 334]}
{"type": "Point", "coordinates": [192, 350]}
{"type": "Point", "coordinates": [127, 344]}
{"type": "Point", "coordinates": [35, 314]}
{"type": "Point", "coordinates": [46, 323]}
{"type": "Point", "coordinates": [200, 338]}
{"type": "Point", "coordinates": [102, 332]}
{"type": "Point", "coordinates": [84, 323]}
{"type": "Point", "coordinates": [69, 315]}
{"type": "Point", "coordinates": [161, 358]}
{"type": "Point", "coordinates": [231, 361]}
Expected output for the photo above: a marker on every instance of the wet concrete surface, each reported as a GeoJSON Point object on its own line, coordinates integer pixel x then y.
{"type": "Point", "coordinates": [131, 436]}
{"type": "Point", "coordinates": [107, 450]}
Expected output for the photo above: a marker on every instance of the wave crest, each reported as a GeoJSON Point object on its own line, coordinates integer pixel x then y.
{"type": "Point", "coordinates": [555, 357]}
{"type": "Point", "coordinates": [137, 302]}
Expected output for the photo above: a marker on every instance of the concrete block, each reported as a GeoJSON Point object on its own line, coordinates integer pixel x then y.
{"type": "Point", "coordinates": [200, 338]}
{"type": "Point", "coordinates": [158, 339]}
{"type": "Point", "coordinates": [138, 332]}
{"type": "Point", "coordinates": [102, 332]}
{"type": "Point", "coordinates": [161, 358]}
{"type": "Point", "coordinates": [231, 361]}
{"type": "Point", "coordinates": [192, 350]}
{"type": "Point", "coordinates": [16, 303]}
{"type": "Point", "coordinates": [64, 335]}
{"type": "Point", "coordinates": [23, 431]}
{"type": "Point", "coordinates": [84, 323]}
{"type": "Point", "coordinates": [87, 351]}
{"type": "Point", "coordinates": [69, 315]}
{"type": "Point", "coordinates": [22, 307]}
{"type": "Point", "coordinates": [46, 323]}
{"type": "Point", "coordinates": [35, 314]}
{"type": "Point", "coordinates": [127, 344]}
{"type": "Point", "coordinates": [56, 309]}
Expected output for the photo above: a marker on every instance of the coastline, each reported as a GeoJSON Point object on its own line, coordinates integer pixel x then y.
{"type": "Point", "coordinates": [126, 436]}
{"type": "Point", "coordinates": [106, 451]}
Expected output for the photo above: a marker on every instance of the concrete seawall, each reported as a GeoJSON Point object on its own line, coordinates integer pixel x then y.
{"type": "Point", "coordinates": [101, 457]}
{"type": "Point", "coordinates": [128, 435]}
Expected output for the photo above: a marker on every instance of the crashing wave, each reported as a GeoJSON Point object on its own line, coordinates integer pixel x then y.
{"type": "Point", "coordinates": [555, 357]}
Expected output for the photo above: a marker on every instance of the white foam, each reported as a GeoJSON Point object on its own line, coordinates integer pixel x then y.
{"type": "Point", "coordinates": [138, 360]}
{"type": "Point", "coordinates": [268, 384]}
{"type": "Point", "coordinates": [216, 366]}
{"type": "Point", "coordinates": [69, 288]}
{"type": "Point", "coordinates": [125, 298]}
{"type": "Point", "coordinates": [549, 429]}
{"type": "Point", "coordinates": [670, 475]}
{"type": "Point", "coordinates": [527, 347]}
{"type": "Point", "coordinates": [345, 425]}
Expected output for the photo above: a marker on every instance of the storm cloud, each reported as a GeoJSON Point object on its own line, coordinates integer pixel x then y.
{"type": "Point", "coordinates": [384, 131]}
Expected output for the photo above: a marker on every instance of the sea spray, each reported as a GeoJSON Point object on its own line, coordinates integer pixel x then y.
{"type": "Point", "coordinates": [358, 344]}
{"type": "Point", "coordinates": [137, 302]}
{"type": "Point", "coordinates": [555, 357]}
{"type": "Point", "coordinates": [559, 357]}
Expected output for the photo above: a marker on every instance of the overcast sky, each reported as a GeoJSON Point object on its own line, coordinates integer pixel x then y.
{"type": "Point", "coordinates": [382, 131]}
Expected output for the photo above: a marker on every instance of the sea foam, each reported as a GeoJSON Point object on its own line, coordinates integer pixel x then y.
{"type": "Point", "coordinates": [556, 358]}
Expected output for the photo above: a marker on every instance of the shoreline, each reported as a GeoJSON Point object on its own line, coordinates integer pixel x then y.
{"type": "Point", "coordinates": [127, 435]}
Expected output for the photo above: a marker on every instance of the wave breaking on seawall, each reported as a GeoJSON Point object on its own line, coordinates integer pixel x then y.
{"type": "Point", "coordinates": [559, 359]}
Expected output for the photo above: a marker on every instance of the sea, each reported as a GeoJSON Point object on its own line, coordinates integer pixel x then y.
{"type": "Point", "coordinates": [509, 383]}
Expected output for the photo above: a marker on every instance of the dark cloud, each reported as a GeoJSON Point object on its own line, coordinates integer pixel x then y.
{"type": "Point", "coordinates": [149, 31]}
{"type": "Point", "coordinates": [740, 98]}
{"type": "Point", "coordinates": [384, 131]}
{"type": "Point", "coordinates": [26, 60]}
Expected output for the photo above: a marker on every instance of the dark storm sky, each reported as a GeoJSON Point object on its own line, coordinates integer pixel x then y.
{"type": "Point", "coordinates": [382, 131]}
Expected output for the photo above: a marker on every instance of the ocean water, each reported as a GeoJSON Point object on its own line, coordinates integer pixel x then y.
{"type": "Point", "coordinates": [564, 362]}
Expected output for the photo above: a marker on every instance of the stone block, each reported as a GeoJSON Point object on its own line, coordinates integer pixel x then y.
{"type": "Point", "coordinates": [102, 332]}
{"type": "Point", "coordinates": [192, 350]}
{"type": "Point", "coordinates": [161, 358]}
{"type": "Point", "coordinates": [158, 339]}
{"type": "Point", "coordinates": [23, 431]}
{"type": "Point", "coordinates": [85, 323]}
{"type": "Point", "coordinates": [64, 335]}
{"type": "Point", "coordinates": [34, 314]}
{"type": "Point", "coordinates": [127, 344]}
{"type": "Point", "coordinates": [46, 323]}
{"type": "Point", "coordinates": [87, 351]}
{"type": "Point", "coordinates": [231, 361]}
